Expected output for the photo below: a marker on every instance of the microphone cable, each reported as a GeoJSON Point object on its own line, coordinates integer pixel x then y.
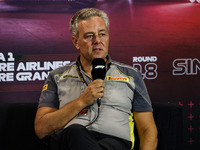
{"type": "Point", "coordinates": [98, 111]}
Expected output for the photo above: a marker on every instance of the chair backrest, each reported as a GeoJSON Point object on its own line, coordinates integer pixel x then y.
{"type": "Point", "coordinates": [169, 122]}
{"type": "Point", "coordinates": [17, 126]}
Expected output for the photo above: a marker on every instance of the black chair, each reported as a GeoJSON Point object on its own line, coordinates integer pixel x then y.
{"type": "Point", "coordinates": [169, 122]}
{"type": "Point", "coordinates": [17, 127]}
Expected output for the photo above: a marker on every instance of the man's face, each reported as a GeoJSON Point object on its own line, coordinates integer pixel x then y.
{"type": "Point", "coordinates": [93, 39]}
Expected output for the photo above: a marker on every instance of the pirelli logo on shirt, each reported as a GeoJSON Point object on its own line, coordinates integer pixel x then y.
{"type": "Point", "coordinates": [45, 87]}
{"type": "Point", "coordinates": [109, 78]}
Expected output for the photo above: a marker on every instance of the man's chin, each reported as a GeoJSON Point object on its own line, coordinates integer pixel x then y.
{"type": "Point", "coordinates": [103, 57]}
{"type": "Point", "coordinates": [100, 55]}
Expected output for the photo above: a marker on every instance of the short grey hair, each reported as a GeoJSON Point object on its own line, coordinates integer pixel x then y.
{"type": "Point", "coordinates": [85, 14]}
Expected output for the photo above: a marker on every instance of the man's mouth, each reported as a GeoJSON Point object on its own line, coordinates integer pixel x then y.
{"type": "Point", "coordinates": [97, 49]}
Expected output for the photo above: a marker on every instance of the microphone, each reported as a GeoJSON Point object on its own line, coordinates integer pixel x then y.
{"type": "Point", "coordinates": [98, 72]}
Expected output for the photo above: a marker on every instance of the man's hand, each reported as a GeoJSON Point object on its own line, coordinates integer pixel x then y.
{"type": "Point", "coordinates": [92, 92]}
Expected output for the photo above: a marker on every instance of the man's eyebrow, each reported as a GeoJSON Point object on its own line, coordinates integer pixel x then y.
{"type": "Point", "coordinates": [89, 33]}
{"type": "Point", "coordinates": [93, 32]}
{"type": "Point", "coordinates": [102, 30]}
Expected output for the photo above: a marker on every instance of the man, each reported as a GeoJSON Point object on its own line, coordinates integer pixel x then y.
{"type": "Point", "coordinates": [68, 109]}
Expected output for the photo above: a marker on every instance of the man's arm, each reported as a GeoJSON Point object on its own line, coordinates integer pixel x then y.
{"type": "Point", "coordinates": [147, 130]}
{"type": "Point", "coordinates": [50, 119]}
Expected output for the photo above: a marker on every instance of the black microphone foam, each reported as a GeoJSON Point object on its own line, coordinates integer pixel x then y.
{"type": "Point", "coordinates": [98, 69]}
{"type": "Point", "coordinates": [98, 72]}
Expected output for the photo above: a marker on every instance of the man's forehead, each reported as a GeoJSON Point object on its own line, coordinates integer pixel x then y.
{"type": "Point", "coordinates": [92, 21]}
{"type": "Point", "coordinates": [92, 24]}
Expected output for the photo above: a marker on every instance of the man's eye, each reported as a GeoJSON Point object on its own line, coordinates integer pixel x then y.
{"type": "Point", "coordinates": [89, 36]}
{"type": "Point", "coordinates": [102, 34]}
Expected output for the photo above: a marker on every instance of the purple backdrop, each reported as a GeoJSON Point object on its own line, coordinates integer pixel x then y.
{"type": "Point", "coordinates": [161, 39]}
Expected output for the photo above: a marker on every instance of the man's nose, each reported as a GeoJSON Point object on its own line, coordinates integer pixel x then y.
{"type": "Point", "coordinates": [97, 39]}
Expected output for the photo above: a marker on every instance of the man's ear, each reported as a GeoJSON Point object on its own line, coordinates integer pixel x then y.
{"type": "Point", "coordinates": [75, 42]}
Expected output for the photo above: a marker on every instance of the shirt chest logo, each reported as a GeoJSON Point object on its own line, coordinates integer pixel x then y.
{"type": "Point", "coordinates": [109, 78]}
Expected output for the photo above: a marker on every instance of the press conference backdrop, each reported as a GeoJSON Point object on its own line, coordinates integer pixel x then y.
{"type": "Point", "coordinates": [161, 39]}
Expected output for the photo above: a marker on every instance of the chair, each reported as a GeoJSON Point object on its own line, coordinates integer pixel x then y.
{"type": "Point", "coordinates": [169, 122]}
